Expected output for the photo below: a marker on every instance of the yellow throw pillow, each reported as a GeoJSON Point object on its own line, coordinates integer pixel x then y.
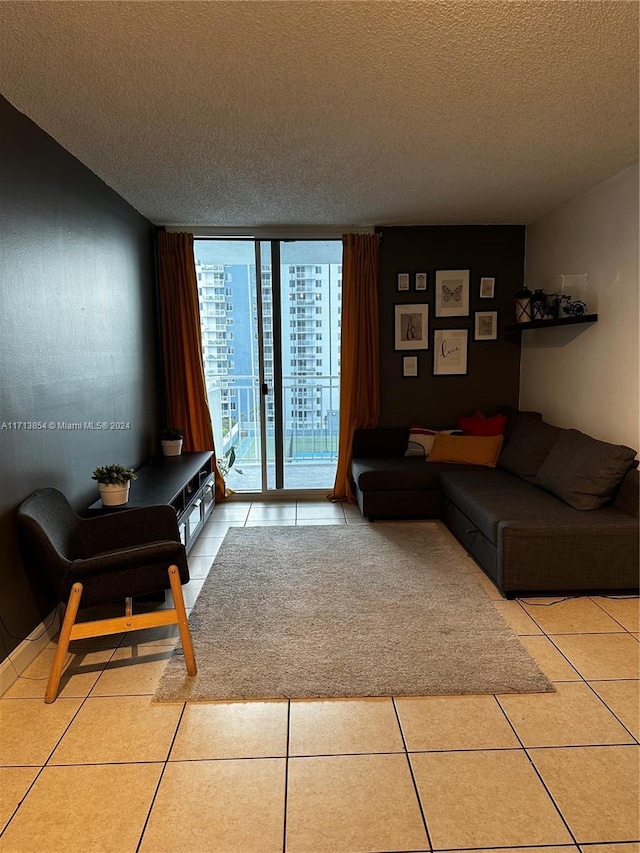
{"type": "Point", "coordinates": [466, 449]}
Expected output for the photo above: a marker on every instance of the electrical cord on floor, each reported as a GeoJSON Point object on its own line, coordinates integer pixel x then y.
{"type": "Point", "coordinates": [569, 597]}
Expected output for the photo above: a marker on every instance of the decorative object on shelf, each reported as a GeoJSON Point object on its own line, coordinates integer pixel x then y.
{"type": "Point", "coordinates": [421, 281]}
{"type": "Point", "coordinates": [524, 312]}
{"type": "Point", "coordinates": [113, 483]}
{"type": "Point", "coordinates": [412, 326]}
{"type": "Point", "coordinates": [486, 326]}
{"type": "Point", "coordinates": [172, 441]}
{"type": "Point", "coordinates": [452, 293]}
{"type": "Point", "coordinates": [410, 365]}
{"type": "Point", "coordinates": [403, 281]}
{"type": "Point", "coordinates": [487, 288]}
{"type": "Point", "coordinates": [450, 352]}
{"type": "Point", "coordinates": [538, 305]}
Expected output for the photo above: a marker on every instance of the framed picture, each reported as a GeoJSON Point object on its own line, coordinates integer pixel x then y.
{"type": "Point", "coordinates": [486, 326]}
{"type": "Point", "coordinates": [421, 281]}
{"type": "Point", "coordinates": [410, 365]}
{"type": "Point", "coordinates": [450, 352]}
{"type": "Point", "coordinates": [403, 281]}
{"type": "Point", "coordinates": [487, 288]}
{"type": "Point", "coordinates": [452, 293]}
{"type": "Point", "coordinates": [412, 326]}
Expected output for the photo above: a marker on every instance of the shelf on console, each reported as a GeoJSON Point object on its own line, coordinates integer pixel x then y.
{"type": "Point", "coordinates": [545, 324]}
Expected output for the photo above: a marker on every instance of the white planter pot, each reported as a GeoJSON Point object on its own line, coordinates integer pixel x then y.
{"type": "Point", "coordinates": [172, 448]}
{"type": "Point", "coordinates": [113, 494]}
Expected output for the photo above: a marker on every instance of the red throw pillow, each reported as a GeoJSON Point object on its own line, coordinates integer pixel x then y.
{"type": "Point", "coordinates": [483, 426]}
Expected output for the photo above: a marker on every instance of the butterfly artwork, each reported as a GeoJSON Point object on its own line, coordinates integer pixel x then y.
{"type": "Point", "coordinates": [452, 293]}
{"type": "Point", "coordinates": [448, 294]}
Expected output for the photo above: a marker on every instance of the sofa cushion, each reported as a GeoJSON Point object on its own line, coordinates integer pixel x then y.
{"type": "Point", "coordinates": [479, 424]}
{"type": "Point", "coordinates": [514, 416]}
{"type": "Point", "coordinates": [421, 440]}
{"type": "Point", "coordinates": [583, 471]}
{"type": "Point", "coordinates": [528, 447]}
{"type": "Point", "coordinates": [488, 497]}
{"type": "Point", "coordinates": [466, 449]}
{"type": "Point", "coordinates": [394, 475]}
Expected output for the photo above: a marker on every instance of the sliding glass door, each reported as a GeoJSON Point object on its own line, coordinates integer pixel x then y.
{"type": "Point", "coordinates": [270, 314]}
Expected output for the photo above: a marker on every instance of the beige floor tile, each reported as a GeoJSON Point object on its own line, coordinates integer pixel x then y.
{"type": "Point", "coordinates": [554, 665]}
{"type": "Point", "coordinates": [571, 716]}
{"type": "Point", "coordinates": [30, 730]}
{"type": "Point", "coordinates": [81, 672]}
{"type": "Point", "coordinates": [14, 784]}
{"type": "Point", "coordinates": [352, 802]}
{"type": "Point", "coordinates": [355, 519]}
{"type": "Point", "coordinates": [595, 788]}
{"type": "Point", "coordinates": [565, 848]}
{"type": "Point", "coordinates": [207, 547]}
{"type": "Point", "coordinates": [272, 513]}
{"type": "Point", "coordinates": [485, 799]}
{"type": "Point", "coordinates": [336, 726]}
{"type": "Point", "coordinates": [601, 656]}
{"type": "Point", "coordinates": [144, 640]}
{"type": "Point", "coordinates": [319, 510]}
{"type": "Point", "coordinates": [572, 616]}
{"type": "Point", "coordinates": [624, 610]}
{"type": "Point", "coordinates": [489, 587]}
{"type": "Point", "coordinates": [232, 730]}
{"type": "Point", "coordinates": [119, 729]}
{"type": "Point", "coordinates": [517, 617]}
{"type": "Point", "coordinates": [623, 697]}
{"type": "Point", "coordinates": [134, 670]}
{"type": "Point", "coordinates": [216, 530]}
{"type": "Point", "coordinates": [191, 591]}
{"type": "Point", "coordinates": [276, 522]}
{"type": "Point", "coordinates": [628, 847]}
{"type": "Point", "coordinates": [199, 566]}
{"type": "Point", "coordinates": [229, 512]}
{"type": "Point", "coordinates": [80, 809]}
{"type": "Point", "coordinates": [233, 806]}
{"type": "Point", "coordinates": [454, 722]}
{"type": "Point", "coordinates": [319, 522]}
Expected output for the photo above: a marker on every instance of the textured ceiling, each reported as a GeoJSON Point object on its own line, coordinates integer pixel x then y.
{"type": "Point", "coordinates": [306, 112]}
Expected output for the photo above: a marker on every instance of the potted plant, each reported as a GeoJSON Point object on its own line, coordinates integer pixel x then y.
{"type": "Point", "coordinates": [113, 483]}
{"type": "Point", "coordinates": [171, 441]}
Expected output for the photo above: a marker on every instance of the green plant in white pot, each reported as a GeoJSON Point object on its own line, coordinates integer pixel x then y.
{"type": "Point", "coordinates": [171, 441]}
{"type": "Point", "coordinates": [113, 483]}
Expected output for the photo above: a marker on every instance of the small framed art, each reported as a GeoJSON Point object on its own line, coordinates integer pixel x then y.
{"type": "Point", "coordinates": [487, 288]}
{"type": "Point", "coordinates": [403, 281]}
{"type": "Point", "coordinates": [412, 326]}
{"type": "Point", "coordinates": [486, 326]}
{"type": "Point", "coordinates": [410, 365]}
{"type": "Point", "coordinates": [421, 281]}
{"type": "Point", "coordinates": [450, 352]}
{"type": "Point", "coordinates": [452, 293]}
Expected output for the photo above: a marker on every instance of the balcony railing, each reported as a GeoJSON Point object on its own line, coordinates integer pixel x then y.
{"type": "Point", "coordinates": [310, 441]}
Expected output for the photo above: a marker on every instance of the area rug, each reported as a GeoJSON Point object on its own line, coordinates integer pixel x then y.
{"type": "Point", "coordinates": [385, 609]}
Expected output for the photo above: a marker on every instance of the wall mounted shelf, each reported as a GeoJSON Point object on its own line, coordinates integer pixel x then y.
{"type": "Point", "coordinates": [545, 324]}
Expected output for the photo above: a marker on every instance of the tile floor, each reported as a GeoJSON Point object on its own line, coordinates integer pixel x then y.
{"type": "Point", "coordinates": [103, 769]}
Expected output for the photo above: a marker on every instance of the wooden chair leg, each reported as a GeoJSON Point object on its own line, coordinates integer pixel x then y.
{"type": "Point", "coordinates": [63, 643]}
{"type": "Point", "coordinates": [183, 623]}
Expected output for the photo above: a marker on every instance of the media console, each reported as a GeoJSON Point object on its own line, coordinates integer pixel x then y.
{"type": "Point", "coordinates": [184, 482]}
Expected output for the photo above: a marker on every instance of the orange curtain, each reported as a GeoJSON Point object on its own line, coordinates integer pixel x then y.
{"type": "Point", "coordinates": [359, 352]}
{"type": "Point", "coordinates": [184, 385]}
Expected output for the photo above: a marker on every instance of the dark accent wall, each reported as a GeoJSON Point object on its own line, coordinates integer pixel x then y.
{"type": "Point", "coordinates": [496, 251]}
{"type": "Point", "coordinates": [77, 341]}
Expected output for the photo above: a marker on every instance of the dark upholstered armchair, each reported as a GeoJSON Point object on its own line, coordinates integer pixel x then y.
{"type": "Point", "coordinates": [105, 559]}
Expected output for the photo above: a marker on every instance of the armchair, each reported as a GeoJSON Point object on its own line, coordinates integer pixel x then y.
{"type": "Point", "coordinates": [101, 560]}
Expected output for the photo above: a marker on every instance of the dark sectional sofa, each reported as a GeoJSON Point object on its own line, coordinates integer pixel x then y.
{"type": "Point", "coordinates": [559, 512]}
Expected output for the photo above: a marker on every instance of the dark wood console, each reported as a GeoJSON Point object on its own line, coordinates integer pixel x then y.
{"type": "Point", "coordinates": [184, 482]}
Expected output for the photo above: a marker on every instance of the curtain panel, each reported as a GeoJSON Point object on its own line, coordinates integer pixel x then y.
{"type": "Point", "coordinates": [359, 350]}
{"type": "Point", "coordinates": [185, 392]}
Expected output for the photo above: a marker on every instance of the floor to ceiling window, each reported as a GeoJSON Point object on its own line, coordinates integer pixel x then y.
{"type": "Point", "coordinates": [270, 315]}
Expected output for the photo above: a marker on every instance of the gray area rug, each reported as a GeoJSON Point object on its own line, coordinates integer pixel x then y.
{"type": "Point", "coordinates": [385, 609]}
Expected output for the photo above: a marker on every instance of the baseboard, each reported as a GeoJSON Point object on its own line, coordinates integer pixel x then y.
{"type": "Point", "coordinates": [13, 666]}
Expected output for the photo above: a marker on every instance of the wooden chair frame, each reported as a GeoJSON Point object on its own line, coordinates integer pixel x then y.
{"type": "Point", "coordinates": [72, 630]}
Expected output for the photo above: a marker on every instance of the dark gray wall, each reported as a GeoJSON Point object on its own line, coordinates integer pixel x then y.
{"type": "Point", "coordinates": [77, 340]}
{"type": "Point", "coordinates": [493, 366]}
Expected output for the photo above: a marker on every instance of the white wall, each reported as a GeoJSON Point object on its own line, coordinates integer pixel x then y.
{"type": "Point", "coordinates": [586, 377]}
